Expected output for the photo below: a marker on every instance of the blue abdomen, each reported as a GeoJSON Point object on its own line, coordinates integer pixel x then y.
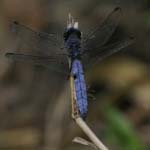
{"type": "Point", "coordinates": [80, 87]}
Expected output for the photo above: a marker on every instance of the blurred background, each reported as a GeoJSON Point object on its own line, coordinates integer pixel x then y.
{"type": "Point", "coordinates": [35, 103]}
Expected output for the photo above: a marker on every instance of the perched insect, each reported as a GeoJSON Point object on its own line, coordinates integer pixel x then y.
{"type": "Point", "coordinates": [77, 51]}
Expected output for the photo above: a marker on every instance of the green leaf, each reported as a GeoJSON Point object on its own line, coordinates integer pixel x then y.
{"type": "Point", "coordinates": [121, 132]}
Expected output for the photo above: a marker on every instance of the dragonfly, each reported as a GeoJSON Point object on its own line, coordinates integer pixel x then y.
{"type": "Point", "coordinates": [78, 51]}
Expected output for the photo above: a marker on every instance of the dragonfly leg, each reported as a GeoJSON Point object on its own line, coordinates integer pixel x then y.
{"type": "Point", "coordinates": [91, 96]}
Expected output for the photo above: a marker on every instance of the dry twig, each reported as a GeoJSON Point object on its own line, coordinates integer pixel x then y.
{"type": "Point", "coordinates": [97, 144]}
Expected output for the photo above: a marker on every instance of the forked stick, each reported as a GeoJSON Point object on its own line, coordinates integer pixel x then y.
{"type": "Point", "coordinates": [97, 144]}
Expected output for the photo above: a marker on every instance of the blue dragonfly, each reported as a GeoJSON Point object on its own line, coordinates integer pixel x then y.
{"type": "Point", "coordinates": [78, 51]}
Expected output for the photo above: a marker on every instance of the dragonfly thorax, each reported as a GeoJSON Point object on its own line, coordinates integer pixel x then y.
{"type": "Point", "coordinates": [72, 38]}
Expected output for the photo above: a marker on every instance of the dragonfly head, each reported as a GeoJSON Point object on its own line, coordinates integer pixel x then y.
{"type": "Point", "coordinates": [72, 28]}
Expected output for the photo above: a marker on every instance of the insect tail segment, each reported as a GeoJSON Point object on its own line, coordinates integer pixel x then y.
{"type": "Point", "coordinates": [80, 88]}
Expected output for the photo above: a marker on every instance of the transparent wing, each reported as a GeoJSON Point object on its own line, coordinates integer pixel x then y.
{"type": "Point", "coordinates": [103, 32]}
{"type": "Point", "coordinates": [102, 52]}
{"type": "Point", "coordinates": [34, 41]}
{"type": "Point", "coordinates": [38, 48]}
{"type": "Point", "coordinates": [50, 62]}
